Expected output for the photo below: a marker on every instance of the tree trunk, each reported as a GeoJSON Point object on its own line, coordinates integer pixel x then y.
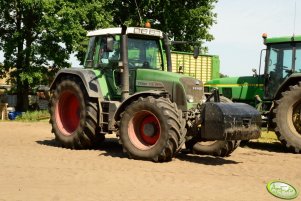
{"type": "Point", "coordinates": [22, 95]}
{"type": "Point", "coordinates": [22, 87]}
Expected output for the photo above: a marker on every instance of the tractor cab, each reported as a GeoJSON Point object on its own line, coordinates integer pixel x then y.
{"type": "Point", "coordinates": [283, 61]}
{"type": "Point", "coordinates": [144, 51]}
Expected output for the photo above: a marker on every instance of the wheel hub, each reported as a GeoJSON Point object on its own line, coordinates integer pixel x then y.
{"type": "Point", "coordinates": [144, 130]}
{"type": "Point", "coordinates": [149, 129]}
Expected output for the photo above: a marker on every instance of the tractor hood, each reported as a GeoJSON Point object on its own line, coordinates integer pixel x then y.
{"type": "Point", "coordinates": [238, 88]}
{"type": "Point", "coordinates": [183, 90]}
{"type": "Point", "coordinates": [233, 81]}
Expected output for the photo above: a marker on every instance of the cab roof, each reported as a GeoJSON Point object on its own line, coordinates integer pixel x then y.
{"type": "Point", "coordinates": [130, 30]}
{"type": "Point", "coordinates": [284, 39]}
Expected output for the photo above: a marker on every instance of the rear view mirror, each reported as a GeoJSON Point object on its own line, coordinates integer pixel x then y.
{"type": "Point", "coordinates": [110, 44]}
{"type": "Point", "coordinates": [196, 52]}
{"type": "Point", "coordinates": [254, 72]}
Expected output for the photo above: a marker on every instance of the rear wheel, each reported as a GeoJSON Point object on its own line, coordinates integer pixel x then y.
{"type": "Point", "coordinates": [152, 129]}
{"type": "Point", "coordinates": [288, 118]}
{"type": "Point", "coordinates": [73, 115]}
{"type": "Point", "coordinates": [215, 148]}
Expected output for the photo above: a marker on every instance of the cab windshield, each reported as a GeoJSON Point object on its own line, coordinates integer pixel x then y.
{"type": "Point", "coordinates": [144, 53]}
{"type": "Point", "coordinates": [282, 60]}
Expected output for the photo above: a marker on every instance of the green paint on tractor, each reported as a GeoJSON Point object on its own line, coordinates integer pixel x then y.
{"type": "Point", "coordinates": [239, 89]}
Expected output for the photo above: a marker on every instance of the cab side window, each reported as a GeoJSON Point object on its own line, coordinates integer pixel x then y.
{"type": "Point", "coordinates": [108, 58]}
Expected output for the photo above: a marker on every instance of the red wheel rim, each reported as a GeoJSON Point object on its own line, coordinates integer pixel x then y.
{"type": "Point", "coordinates": [67, 113]}
{"type": "Point", "coordinates": [144, 130]}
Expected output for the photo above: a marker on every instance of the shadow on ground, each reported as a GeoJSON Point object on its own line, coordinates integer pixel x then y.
{"type": "Point", "coordinates": [205, 160]}
{"type": "Point", "coordinates": [267, 146]}
{"type": "Point", "coordinates": [111, 147]}
{"type": "Point", "coordinates": [51, 143]}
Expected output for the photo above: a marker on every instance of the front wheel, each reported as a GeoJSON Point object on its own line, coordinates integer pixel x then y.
{"type": "Point", "coordinates": [215, 148]}
{"type": "Point", "coordinates": [287, 115]}
{"type": "Point", "coordinates": [219, 148]}
{"type": "Point", "coordinates": [152, 129]}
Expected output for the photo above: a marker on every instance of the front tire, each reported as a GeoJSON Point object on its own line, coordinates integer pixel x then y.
{"type": "Point", "coordinates": [218, 148]}
{"type": "Point", "coordinates": [73, 115]}
{"type": "Point", "coordinates": [152, 129]}
{"type": "Point", "coordinates": [288, 118]}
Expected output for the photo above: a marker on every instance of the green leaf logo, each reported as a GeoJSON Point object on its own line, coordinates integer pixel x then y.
{"type": "Point", "coordinates": [282, 190]}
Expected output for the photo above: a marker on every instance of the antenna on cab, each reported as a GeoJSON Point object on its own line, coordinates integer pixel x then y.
{"type": "Point", "coordinates": [295, 14]}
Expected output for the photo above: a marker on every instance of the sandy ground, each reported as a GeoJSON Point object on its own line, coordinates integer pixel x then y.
{"type": "Point", "coordinates": [32, 167]}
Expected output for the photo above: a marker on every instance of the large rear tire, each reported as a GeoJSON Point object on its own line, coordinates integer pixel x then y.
{"type": "Point", "coordinates": [152, 129]}
{"type": "Point", "coordinates": [287, 115]}
{"type": "Point", "coordinates": [73, 115]}
{"type": "Point", "coordinates": [215, 148]}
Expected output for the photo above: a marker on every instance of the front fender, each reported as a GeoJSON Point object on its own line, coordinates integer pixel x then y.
{"type": "Point", "coordinates": [135, 97]}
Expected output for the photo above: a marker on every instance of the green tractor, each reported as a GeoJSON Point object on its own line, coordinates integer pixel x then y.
{"type": "Point", "coordinates": [276, 93]}
{"type": "Point", "coordinates": [127, 88]}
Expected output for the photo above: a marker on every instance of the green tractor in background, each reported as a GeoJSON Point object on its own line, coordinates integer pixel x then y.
{"type": "Point", "coordinates": [276, 93]}
{"type": "Point", "coordinates": [127, 88]}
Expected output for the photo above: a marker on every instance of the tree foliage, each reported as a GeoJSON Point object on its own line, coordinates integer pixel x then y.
{"type": "Point", "coordinates": [37, 36]}
{"type": "Point", "coordinates": [183, 20]}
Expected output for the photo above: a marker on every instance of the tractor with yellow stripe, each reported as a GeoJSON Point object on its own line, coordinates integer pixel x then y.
{"type": "Point", "coordinates": [276, 92]}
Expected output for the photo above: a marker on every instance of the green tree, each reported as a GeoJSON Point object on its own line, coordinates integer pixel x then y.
{"type": "Point", "coordinates": [183, 20]}
{"type": "Point", "coordinates": [37, 37]}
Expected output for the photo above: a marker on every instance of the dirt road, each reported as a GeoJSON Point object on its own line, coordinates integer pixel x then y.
{"type": "Point", "coordinates": [32, 168]}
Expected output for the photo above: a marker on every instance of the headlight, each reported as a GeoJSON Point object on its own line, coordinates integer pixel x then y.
{"type": "Point", "coordinates": [204, 99]}
{"type": "Point", "coordinates": [189, 99]}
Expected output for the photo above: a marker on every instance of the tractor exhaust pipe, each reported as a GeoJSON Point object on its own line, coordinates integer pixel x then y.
{"type": "Point", "coordinates": [124, 67]}
{"type": "Point", "coordinates": [168, 54]}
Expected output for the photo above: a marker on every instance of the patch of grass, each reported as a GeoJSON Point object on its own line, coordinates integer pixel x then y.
{"type": "Point", "coordinates": [34, 115]}
{"type": "Point", "coordinates": [267, 137]}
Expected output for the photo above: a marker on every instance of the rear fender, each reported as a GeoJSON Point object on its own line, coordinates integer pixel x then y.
{"type": "Point", "coordinates": [87, 76]}
{"type": "Point", "coordinates": [292, 80]}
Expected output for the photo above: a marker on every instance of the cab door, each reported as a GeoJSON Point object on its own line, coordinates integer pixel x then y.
{"type": "Point", "coordinates": [107, 61]}
{"type": "Point", "coordinates": [279, 66]}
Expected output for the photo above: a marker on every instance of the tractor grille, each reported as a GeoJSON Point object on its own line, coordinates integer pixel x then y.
{"type": "Point", "coordinates": [193, 88]}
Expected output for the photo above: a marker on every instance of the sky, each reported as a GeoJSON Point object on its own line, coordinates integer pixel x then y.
{"type": "Point", "coordinates": [240, 25]}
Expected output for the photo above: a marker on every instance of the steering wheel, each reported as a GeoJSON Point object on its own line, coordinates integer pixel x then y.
{"type": "Point", "coordinates": [131, 64]}
{"type": "Point", "coordinates": [134, 63]}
